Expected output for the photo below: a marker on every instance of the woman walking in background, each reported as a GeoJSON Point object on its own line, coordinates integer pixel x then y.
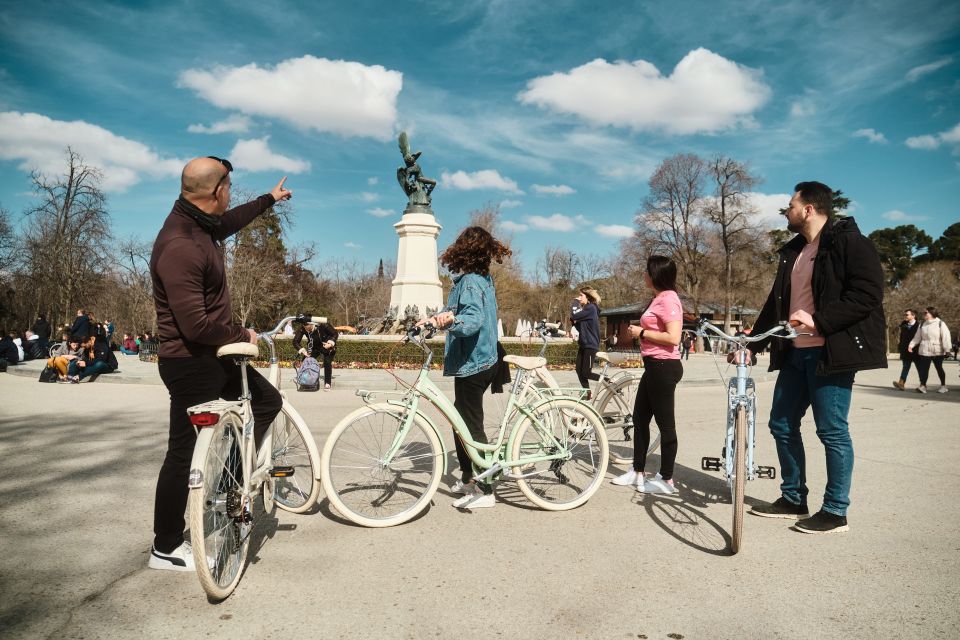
{"type": "Point", "coordinates": [908, 329]}
{"type": "Point", "coordinates": [931, 344]}
{"type": "Point", "coordinates": [659, 334]}
{"type": "Point", "coordinates": [585, 317]}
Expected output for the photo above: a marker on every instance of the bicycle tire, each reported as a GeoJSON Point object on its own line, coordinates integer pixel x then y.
{"type": "Point", "coordinates": [615, 406]}
{"type": "Point", "coordinates": [294, 446]}
{"type": "Point", "coordinates": [738, 485]}
{"type": "Point", "coordinates": [560, 484]}
{"type": "Point", "coordinates": [365, 491]}
{"type": "Point", "coordinates": [218, 534]}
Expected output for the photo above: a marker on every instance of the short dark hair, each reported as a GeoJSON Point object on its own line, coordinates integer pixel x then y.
{"type": "Point", "coordinates": [933, 311]}
{"type": "Point", "coordinates": [818, 195]}
{"type": "Point", "coordinates": [913, 311]}
{"type": "Point", "coordinates": [663, 273]}
{"type": "Point", "coordinates": [472, 252]}
{"type": "Point", "coordinates": [77, 339]}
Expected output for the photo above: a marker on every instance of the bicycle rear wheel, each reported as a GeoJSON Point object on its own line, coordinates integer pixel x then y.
{"type": "Point", "coordinates": [739, 480]}
{"type": "Point", "coordinates": [219, 520]}
{"type": "Point", "coordinates": [560, 426]}
{"type": "Point", "coordinates": [615, 406]}
{"type": "Point", "coordinates": [293, 446]}
{"type": "Point", "coordinates": [366, 487]}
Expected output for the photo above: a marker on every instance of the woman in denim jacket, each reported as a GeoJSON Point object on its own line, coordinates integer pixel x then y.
{"type": "Point", "coordinates": [470, 355]}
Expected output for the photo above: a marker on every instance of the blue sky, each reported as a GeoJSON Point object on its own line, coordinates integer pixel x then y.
{"type": "Point", "coordinates": [558, 110]}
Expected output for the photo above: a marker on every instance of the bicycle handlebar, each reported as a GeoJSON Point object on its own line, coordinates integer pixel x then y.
{"type": "Point", "coordinates": [788, 327]}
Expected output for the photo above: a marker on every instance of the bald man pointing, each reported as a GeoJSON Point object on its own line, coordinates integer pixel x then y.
{"type": "Point", "coordinates": [194, 318]}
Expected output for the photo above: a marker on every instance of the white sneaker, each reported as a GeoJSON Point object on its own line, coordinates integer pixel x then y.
{"type": "Point", "coordinates": [922, 389]}
{"type": "Point", "coordinates": [460, 488]}
{"type": "Point", "coordinates": [477, 500]}
{"type": "Point", "coordinates": [657, 485]}
{"type": "Point", "coordinates": [180, 559]}
{"type": "Point", "coordinates": [942, 389]}
{"type": "Point", "coordinates": [630, 478]}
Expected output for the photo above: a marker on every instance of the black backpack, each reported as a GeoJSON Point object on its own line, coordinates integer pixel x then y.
{"type": "Point", "coordinates": [49, 374]}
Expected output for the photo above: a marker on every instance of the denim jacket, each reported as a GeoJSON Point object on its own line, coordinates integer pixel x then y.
{"type": "Point", "coordinates": [472, 338]}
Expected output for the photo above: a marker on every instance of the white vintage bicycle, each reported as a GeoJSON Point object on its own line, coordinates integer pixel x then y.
{"type": "Point", "coordinates": [227, 473]}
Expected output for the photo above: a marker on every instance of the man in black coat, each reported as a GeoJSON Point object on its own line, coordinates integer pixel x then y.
{"type": "Point", "coordinates": [908, 329]}
{"type": "Point", "coordinates": [321, 343]}
{"type": "Point", "coordinates": [41, 328]}
{"type": "Point", "coordinates": [81, 325]}
{"type": "Point", "coordinates": [829, 280]}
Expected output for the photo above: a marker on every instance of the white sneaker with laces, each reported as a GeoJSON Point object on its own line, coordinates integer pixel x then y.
{"type": "Point", "coordinates": [630, 478]}
{"type": "Point", "coordinates": [476, 500]}
{"type": "Point", "coordinates": [657, 485]}
{"type": "Point", "coordinates": [460, 488]}
{"type": "Point", "coordinates": [180, 559]}
{"type": "Point", "coordinates": [922, 388]}
{"type": "Point", "coordinates": [942, 389]}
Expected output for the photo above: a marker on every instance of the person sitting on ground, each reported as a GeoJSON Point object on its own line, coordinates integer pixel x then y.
{"type": "Point", "coordinates": [73, 350]}
{"type": "Point", "coordinates": [81, 325]}
{"type": "Point", "coordinates": [8, 350]}
{"type": "Point", "coordinates": [129, 346]}
{"type": "Point", "coordinates": [96, 359]}
{"type": "Point", "coordinates": [321, 343]}
{"type": "Point", "coordinates": [32, 349]}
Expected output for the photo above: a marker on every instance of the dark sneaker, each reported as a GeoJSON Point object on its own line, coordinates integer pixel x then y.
{"type": "Point", "coordinates": [823, 522]}
{"type": "Point", "coordinates": [782, 508]}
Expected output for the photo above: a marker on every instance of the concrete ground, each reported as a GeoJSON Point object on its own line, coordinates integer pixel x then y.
{"type": "Point", "coordinates": [76, 503]}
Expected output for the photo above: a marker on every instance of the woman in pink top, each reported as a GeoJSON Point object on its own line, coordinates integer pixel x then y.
{"type": "Point", "coordinates": [659, 334]}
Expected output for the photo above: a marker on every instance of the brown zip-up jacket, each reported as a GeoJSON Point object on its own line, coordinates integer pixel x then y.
{"type": "Point", "coordinates": [194, 316]}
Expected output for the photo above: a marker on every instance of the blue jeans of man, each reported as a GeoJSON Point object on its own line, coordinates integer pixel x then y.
{"type": "Point", "coordinates": [94, 369]}
{"type": "Point", "coordinates": [799, 387]}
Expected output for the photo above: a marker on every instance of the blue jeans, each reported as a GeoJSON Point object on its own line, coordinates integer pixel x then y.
{"type": "Point", "coordinates": [96, 368]}
{"type": "Point", "coordinates": [798, 387]}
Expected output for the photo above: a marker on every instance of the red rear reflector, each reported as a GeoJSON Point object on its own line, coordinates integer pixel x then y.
{"type": "Point", "coordinates": [205, 419]}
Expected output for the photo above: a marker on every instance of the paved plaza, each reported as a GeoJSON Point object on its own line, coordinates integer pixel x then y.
{"type": "Point", "coordinates": [76, 506]}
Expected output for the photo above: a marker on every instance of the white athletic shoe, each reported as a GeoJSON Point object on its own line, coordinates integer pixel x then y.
{"type": "Point", "coordinates": [460, 488]}
{"type": "Point", "coordinates": [942, 389]}
{"type": "Point", "coordinates": [657, 485]}
{"type": "Point", "coordinates": [630, 478]}
{"type": "Point", "coordinates": [922, 388]}
{"type": "Point", "coordinates": [180, 559]}
{"type": "Point", "coordinates": [477, 500]}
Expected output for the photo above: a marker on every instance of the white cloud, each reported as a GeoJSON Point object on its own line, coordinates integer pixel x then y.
{"type": "Point", "coordinates": [614, 230]}
{"type": "Point", "coordinates": [918, 72]}
{"type": "Point", "coordinates": [368, 196]}
{"type": "Point", "coordinates": [352, 245]}
{"type": "Point", "coordinates": [553, 189]}
{"type": "Point", "coordinates": [485, 179]}
{"type": "Point", "coordinates": [871, 135]}
{"type": "Point", "coordinates": [516, 227]}
{"type": "Point", "coordinates": [768, 207]}
{"type": "Point", "coordinates": [255, 155]}
{"type": "Point", "coordinates": [509, 204]}
{"type": "Point", "coordinates": [235, 123]}
{"type": "Point", "coordinates": [556, 222]}
{"type": "Point", "coordinates": [40, 143]}
{"type": "Point", "coordinates": [705, 93]}
{"type": "Point", "coordinates": [373, 180]}
{"type": "Point", "coordinates": [804, 107]}
{"type": "Point", "coordinates": [928, 142]}
{"type": "Point", "coordinates": [895, 215]}
{"type": "Point", "coordinates": [628, 172]}
{"type": "Point", "coordinates": [336, 96]}
{"type": "Point", "coordinates": [380, 212]}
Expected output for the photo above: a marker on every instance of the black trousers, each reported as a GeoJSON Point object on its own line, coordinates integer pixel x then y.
{"type": "Point", "coordinates": [327, 359]}
{"type": "Point", "coordinates": [585, 366]}
{"type": "Point", "coordinates": [655, 399]}
{"type": "Point", "coordinates": [468, 399]}
{"type": "Point", "coordinates": [923, 368]}
{"type": "Point", "coordinates": [191, 381]}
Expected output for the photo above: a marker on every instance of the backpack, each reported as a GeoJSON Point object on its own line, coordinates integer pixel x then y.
{"type": "Point", "coordinates": [49, 374]}
{"type": "Point", "coordinates": [308, 375]}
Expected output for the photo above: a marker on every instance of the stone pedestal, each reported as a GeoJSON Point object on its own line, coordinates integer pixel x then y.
{"type": "Point", "coordinates": [417, 282]}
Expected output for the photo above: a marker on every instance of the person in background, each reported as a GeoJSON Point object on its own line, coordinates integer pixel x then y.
{"type": "Point", "coordinates": [585, 317]}
{"type": "Point", "coordinates": [43, 330]}
{"type": "Point", "coordinates": [8, 349]}
{"type": "Point", "coordinates": [81, 325]}
{"type": "Point", "coordinates": [931, 344]}
{"type": "Point", "coordinates": [686, 341]}
{"type": "Point", "coordinates": [321, 343]}
{"type": "Point", "coordinates": [32, 349]}
{"type": "Point", "coordinates": [908, 329]}
{"type": "Point", "coordinates": [96, 358]}
{"type": "Point", "coordinates": [61, 363]}
{"type": "Point", "coordinates": [129, 345]}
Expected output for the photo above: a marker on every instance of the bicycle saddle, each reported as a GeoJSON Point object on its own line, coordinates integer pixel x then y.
{"type": "Point", "coordinates": [525, 362]}
{"type": "Point", "coordinates": [244, 349]}
{"type": "Point", "coordinates": [602, 357]}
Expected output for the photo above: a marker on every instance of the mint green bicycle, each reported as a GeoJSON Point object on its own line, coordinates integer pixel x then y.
{"type": "Point", "coordinates": [383, 463]}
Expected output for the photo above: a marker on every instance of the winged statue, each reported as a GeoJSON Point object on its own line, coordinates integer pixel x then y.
{"type": "Point", "coordinates": [417, 187]}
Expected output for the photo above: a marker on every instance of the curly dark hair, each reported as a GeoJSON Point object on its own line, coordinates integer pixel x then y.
{"type": "Point", "coordinates": [472, 252]}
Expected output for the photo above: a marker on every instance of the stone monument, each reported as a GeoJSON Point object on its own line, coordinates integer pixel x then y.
{"type": "Point", "coordinates": [417, 292]}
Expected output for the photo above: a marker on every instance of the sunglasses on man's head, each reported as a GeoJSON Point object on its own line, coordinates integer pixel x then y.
{"type": "Point", "coordinates": [226, 164]}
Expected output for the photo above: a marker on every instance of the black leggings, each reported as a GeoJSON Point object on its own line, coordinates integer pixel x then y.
{"type": "Point", "coordinates": [655, 399]}
{"type": "Point", "coordinates": [191, 381]}
{"type": "Point", "coordinates": [923, 368]}
{"type": "Point", "coordinates": [584, 366]}
{"type": "Point", "coordinates": [468, 399]}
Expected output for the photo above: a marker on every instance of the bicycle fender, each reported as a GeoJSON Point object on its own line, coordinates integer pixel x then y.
{"type": "Point", "coordinates": [195, 479]}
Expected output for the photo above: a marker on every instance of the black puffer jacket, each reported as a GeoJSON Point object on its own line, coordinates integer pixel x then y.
{"type": "Point", "coordinates": [906, 335]}
{"type": "Point", "coordinates": [847, 293]}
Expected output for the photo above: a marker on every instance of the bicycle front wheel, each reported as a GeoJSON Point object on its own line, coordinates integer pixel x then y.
{"type": "Point", "coordinates": [219, 516]}
{"type": "Point", "coordinates": [293, 446]}
{"type": "Point", "coordinates": [739, 480]}
{"type": "Point", "coordinates": [615, 405]}
{"type": "Point", "coordinates": [573, 438]}
{"type": "Point", "coordinates": [369, 486]}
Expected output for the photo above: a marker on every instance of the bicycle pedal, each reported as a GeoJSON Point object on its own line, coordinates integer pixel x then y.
{"type": "Point", "coordinates": [281, 472]}
{"type": "Point", "coordinates": [766, 472]}
{"type": "Point", "coordinates": [710, 464]}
